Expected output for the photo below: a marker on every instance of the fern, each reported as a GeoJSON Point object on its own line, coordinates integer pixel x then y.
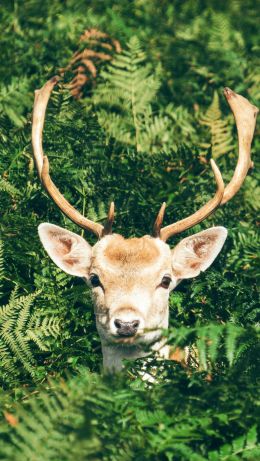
{"type": "Point", "coordinates": [128, 92]}
{"type": "Point", "coordinates": [220, 130]}
{"type": "Point", "coordinates": [244, 447]}
{"type": "Point", "coordinates": [98, 211]}
{"type": "Point", "coordinates": [39, 328]}
{"type": "Point", "coordinates": [126, 101]}
{"type": "Point", "coordinates": [20, 331]}
{"type": "Point", "coordinates": [1, 266]}
{"type": "Point", "coordinates": [245, 255]}
{"type": "Point", "coordinates": [207, 343]}
{"type": "Point", "coordinates": [96, 48]}
{"type": "Point", "coordinates": [252, 191]}
{"type": "Point", "coordinates": [222, 35]}
{"type": "Point", "coordinates": [44, 433]}
{"type": "Point", "coordinates": [14, 98]}
{"type": "Point", "coordinates": [87, 417]}
{"type": "Point", "coordinates": [14, 345]}
{"type": "Point", "coordinates": [6, 186]}
{"type": "Point", "coordinates": [126, 104]}
{"type": "Point", "coordinates": [253, 82]}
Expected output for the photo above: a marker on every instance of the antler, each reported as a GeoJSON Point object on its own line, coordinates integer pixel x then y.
{"type": "Point", "coordinates": [40, 104]}
{"type": "Point", "coordinates": [245, 117]}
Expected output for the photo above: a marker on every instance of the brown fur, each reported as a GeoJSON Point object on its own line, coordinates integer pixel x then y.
{"type": "Point", "coordinates": [138, 251]}
{"type": "Point", "coordinates": [178, 355]}
{"type": "Point", "coordinates": [200, 246]}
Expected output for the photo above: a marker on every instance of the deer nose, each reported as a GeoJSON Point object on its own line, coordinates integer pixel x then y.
{"type": "Point", "coordinates": [126, 328]}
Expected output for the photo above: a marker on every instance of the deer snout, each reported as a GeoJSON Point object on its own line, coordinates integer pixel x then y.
{"type": "Point", "coordinates": [126, 323]}
{"type": "Point", "coordinates": [126, 328]}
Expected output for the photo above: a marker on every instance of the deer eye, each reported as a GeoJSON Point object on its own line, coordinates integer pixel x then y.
{"type": "Point", "coordinates": [94, 280]}
{"type": "Point", "coordinates": [166, 280]}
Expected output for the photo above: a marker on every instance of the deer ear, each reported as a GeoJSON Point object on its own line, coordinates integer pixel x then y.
{"type": "Point", "coordinates": [197, 252]}
{"type": "Point", "coordinates": [69, 251]}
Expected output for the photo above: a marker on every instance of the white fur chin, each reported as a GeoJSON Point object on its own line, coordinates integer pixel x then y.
{"type": "Point", "coordinates": [144, 339]}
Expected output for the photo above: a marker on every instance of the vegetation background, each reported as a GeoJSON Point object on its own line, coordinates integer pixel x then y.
{"type": "Point", "coordinates": [136, 117]}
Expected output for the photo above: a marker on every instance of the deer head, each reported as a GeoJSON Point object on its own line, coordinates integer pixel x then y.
{"type": "Point", "coordinates": [131, 278]}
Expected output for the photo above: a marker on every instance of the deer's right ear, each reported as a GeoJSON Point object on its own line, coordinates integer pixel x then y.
{"type": "Point", "coordinates": [69, 251]}
{"type": "Point", "coordinates": [197, 252]}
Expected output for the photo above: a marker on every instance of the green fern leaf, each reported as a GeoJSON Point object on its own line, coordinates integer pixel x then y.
{"type": "Point", "coordinates": [232, 334]}
{"type": "Point", "coordinates": [221, 142]}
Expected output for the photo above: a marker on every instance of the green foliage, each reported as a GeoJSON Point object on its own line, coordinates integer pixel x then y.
{"type": "Point", "coordinates": [24, 331]}
{"type": "Point", "coordinates": [221, 137]}
{"type": "Point", "coordinates": [128, 91]}
{"type": "Point", "coordinates": [212, 344]}
{"type": "Point", "coordinates": [21, 332]}
{"type": "Point", "coordinates": [93, 417]}
{"type": "Point", "coordinates": [136, 137]}
{"type": "Point", "coordinates": [7, 187]}
{"type": "Point", "coordinates": [1, 265]}
{"type": "Point", "coordinates": [14, 98]}
{"type": "Point", "coordinates": [14, 333]}
{"type": "Point", "coordinates": [245, 255]}
{"type": "Point", "coordinates": [125, 103]}
{"type": "Point", "coordinates": [244, 447]}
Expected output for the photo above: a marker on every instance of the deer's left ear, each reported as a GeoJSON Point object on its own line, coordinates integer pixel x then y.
{"type": "Point", "coordinates": [197, 252]}
{"type": "Point", "coordinates": [69, 251]}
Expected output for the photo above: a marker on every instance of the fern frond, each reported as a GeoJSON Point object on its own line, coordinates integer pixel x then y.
{"type": "Point", "coordinates": [43, 329]}
{"type": "Point", "coordinates": [96, 47]}
{"type": "Point", "coordinates": [6, 186]}
{"type": "Point", "coordinates": [253, 82]}
{"type": "Point", "coordinates": [206, 343]}
{"type": "Point", "coordinates": [244, 447]}
{"type": "Point", "coordinates": [12, 325]}
{"type": "Point", "coordinates": [221, 142]}
{"type": "Point", "coordinates": [252, 192]}
{"type": "Point", "coordinates": [232, 334]}
{"type": "Point", "coordinates": [124, 99]}
{"type": "Point", "coordinates": [1, 265]}
{"type": "Point", "coordinates": [245, 254]}
{"type": "Point", "coordinates": [20, 330]}
{"type": "Point", "coordinates": [39, 431]}
{"type": "Point", "coordinates": [222, 34]}
{"type": "Point", "coordinates": [14, 98]}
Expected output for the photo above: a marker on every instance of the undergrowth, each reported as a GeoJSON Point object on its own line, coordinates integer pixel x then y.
{"type": "Point", "coordinates": [141, 131]}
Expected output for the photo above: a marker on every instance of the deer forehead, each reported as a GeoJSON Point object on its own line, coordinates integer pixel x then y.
{"type": "Point", "coordinates": [134, 254]}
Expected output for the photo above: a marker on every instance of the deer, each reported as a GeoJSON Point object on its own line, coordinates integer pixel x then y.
{"type": "Point", "coordinates": [131, 278]}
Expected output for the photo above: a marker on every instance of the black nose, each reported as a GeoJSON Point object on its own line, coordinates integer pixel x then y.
{"type": "Point", "coordinates": [126, 328]}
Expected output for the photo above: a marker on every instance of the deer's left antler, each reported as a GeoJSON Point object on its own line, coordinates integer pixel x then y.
{"type": "Point", "coordinates": [245, 117]}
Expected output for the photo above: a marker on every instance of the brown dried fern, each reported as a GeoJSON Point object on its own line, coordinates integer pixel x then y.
{"type": "Point", "coordinates": [95, 48]}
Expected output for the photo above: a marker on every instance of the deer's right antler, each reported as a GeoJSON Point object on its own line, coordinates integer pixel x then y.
{"type": "Point", "coordinates": [245, 116]}
{"type": "Point", "coordinates": [40, 104]}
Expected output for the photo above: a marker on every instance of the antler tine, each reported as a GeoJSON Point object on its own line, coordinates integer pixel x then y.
{"type": "Point", "coordinates": [158, 222]}
{"type": "Point", "coordinates": [245, 117]}
{"type": "Point", "coordinates": [110, 219]}
{"type": "Point", "coordinates": [40, 104]}
{"type": "Point", "coordinates": [201, 214]}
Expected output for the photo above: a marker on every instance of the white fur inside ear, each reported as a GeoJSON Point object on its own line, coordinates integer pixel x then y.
{"type": "Point", "coordinates": [69, 251]}
{"type": "Point", "coordinates": [197, 252]}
